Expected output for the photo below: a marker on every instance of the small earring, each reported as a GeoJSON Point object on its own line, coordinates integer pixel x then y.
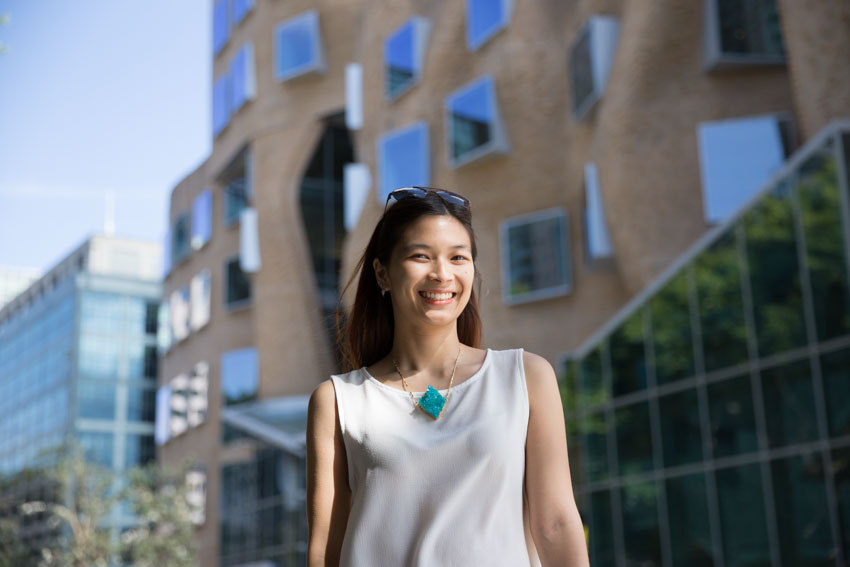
{"type": "Point", "coordinates": [383, 292]}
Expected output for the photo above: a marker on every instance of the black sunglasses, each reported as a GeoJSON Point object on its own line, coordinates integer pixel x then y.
{"type": "Point", "coordinates": [420, 192]}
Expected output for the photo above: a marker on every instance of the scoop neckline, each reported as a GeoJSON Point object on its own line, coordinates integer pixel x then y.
{"type": "Point", "coordinates": [475, 376]}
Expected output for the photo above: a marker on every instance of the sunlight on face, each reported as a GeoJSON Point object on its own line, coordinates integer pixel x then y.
{"type": "Point", "coordinates": [431, 271]}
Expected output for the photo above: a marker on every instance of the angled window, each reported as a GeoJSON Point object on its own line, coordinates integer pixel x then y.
{"type": "Point", "coordinates": [240, 376]}
{"type": "Point", "coordinates": [180, 239]}
{"type": "Point", "coordinates": [243, 82]}
{"type": "Point", "coordinates": [475, 127]}
{"type": "Point", "coordinates": [221, 26]}
{"type": "Point", "coordinates": [199, 292]}
{"type": "Point", "coordinates": [241, 9]}
{"type": "Point", "coordinates": [403, 159]}
{"type": "Point", "coordinates": [201, 219]}
{"type": "Point", "coordinates": [237, 284]}
{"type": "Point", "coordinates": [221, 104]}
{"type": "Point", "coordinates": [179, 310]}
{"type": "Point", "coordinates": [298, 46]}
{"type": "Point", "coordinates": [737, 159]}
{"type": "Point", "coordinates": [236, 185]}
{"type": "Point", "coordinates": [596, 237]}
{"type": "Point", "coordinates": [590, 60]}
{"type": "Point", "coordinates": [742, 32]}
{"type": "Point", "coordinates": [484, 18]}
{"type": "Point", "coordinates": [535, 256]}
{"type": "Point", "coordinates": [404, 54]}
{"type": "Point", "coordinates": [162, 429]}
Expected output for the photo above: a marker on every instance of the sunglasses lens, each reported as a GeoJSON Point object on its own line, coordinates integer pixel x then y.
{"type": "Point", "coordinates": [420, 192]}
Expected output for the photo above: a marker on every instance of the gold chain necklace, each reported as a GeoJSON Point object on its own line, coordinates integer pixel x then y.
{"type": "Point", "coordinates": [432, 401]}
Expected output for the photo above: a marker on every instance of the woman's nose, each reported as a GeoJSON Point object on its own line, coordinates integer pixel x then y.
{"type": "Point", "coordinates": [441, 271]}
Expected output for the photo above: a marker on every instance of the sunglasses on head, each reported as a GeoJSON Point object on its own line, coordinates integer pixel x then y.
{"type": "Point", "coordinates": [421, 192]}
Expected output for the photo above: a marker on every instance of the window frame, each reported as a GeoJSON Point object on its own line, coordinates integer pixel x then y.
{"type": "Point", "coordinates": [249, 88]}
{"type": "Point", "coordinates": [713, 56]}
{"type": "Point", "coordinates": [207, 213]}
{"type": "Point", "coordinates": [498, 143]}
{"type": "Point", "coordinates": [473, 44]}
{"type": "Point", "coordinates": [318, 65]}
{"type": "Point", "coordinates": [603, 34]}
{"type": "Point", "coordinates": [221, 93]}
{"type": "Point", "coordinates": [504, 254]}
{"type": "Point", "coordinates": [595, 217]}
{"type": "Point", "coordinates": [424, 155]}
{"type": "Point", "coordinates": [421, 32]}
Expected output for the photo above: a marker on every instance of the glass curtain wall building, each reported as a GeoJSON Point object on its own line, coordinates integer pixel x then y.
{"type": "Point", "coordinates": [78, 365]}
{"type": "Point", "coordinates": [709, 418]}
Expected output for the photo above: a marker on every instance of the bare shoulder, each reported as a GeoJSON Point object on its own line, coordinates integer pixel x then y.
{"type": "Point", "coordinates": [537, 368]}
{"type": "Point", "coordinates": [322, 405]}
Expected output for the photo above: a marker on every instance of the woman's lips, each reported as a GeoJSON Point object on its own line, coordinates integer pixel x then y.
{"type": "Point", "coordinates": [438, 298]}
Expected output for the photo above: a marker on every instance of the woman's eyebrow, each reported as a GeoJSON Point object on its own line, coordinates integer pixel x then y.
{"type": "Point", "coordinates": [415, 245]}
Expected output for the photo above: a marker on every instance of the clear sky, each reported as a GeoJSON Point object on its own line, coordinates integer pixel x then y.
{"type": "Point", "coordinates": [97, 96]}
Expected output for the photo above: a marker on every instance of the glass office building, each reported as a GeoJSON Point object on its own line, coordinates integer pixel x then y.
{"type": "Point", "coordinates": [710, 419]}
{"type": "Point", "coordinates": [78, 364]}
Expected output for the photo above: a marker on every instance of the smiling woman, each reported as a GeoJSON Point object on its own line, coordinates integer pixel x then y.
{"type": "Point", "coordinates": [428, 437]}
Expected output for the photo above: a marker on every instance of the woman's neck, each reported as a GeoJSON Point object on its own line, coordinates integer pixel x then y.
{"type": "Point", "coordinates": [431, 350]}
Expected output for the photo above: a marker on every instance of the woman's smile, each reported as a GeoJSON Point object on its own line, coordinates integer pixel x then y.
{"type": "Point", "coordinates": [437, 297]}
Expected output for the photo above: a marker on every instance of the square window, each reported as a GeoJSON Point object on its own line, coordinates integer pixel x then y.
{"type": "Point", "coordinates": [403, 159]}
{"type": "Point", "coordinates": [535, 256]}
{"type": "Point", "coordinates": [737, 158]}
{"type": "Point", "coordinates": [475, 127]}
{"type": "Point", "coordinates": [243, 82]}
{"type": "Point", "coordinates": [742, 32]}
{"type": "Point", "coordinates": [221, 26]}
{"type": "Point", "coordinates": [240, 376]}
{"type": "Point", "coordinates": [221, 104]}
{"type": "Point", "coordinates": [589, 64]}
{"type": "Point", "coordinates": [241, 9]}
{"type": "Point", "coordinates": [236, 181]}
{"type": "Point", "coordinates": [237, 284]}
{"type": "Point", "coordinates": [201, 219]}
{"type": "Point", "coordinates": [180, 238]}
{"type": "Point", "coordinates": [484, 18]}
{"type": "Point", "coordinates": [404, 52]}
{"type": "Point", "coordinates": [298, 46]}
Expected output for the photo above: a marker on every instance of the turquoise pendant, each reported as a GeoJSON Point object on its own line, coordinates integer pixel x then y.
{"type": "Point", "coordinates": [432, 402]}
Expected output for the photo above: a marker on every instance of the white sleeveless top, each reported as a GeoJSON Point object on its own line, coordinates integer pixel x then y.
{"type": "Point", "coordinates": [445, 492]}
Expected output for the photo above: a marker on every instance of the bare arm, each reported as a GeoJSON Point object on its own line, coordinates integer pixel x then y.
{"type": "Point", "coordinates": [555, 523]}
{"type": "Point", "coordinates": [328, 493]}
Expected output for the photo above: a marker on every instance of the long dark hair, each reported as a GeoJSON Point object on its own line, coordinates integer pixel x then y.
{"type": "Point", "coordinates": [366, 335]}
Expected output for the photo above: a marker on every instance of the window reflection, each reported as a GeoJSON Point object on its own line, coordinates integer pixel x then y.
{"type": "Point", "coordinates": [238, 285]}
{"type": "Point", "coordinates": [671, 331]}
{"type": "Point", "coordinates": [628, 358]}
{"type": "Point", "coordinates": [789, 404]}
{"type": "Point", "coordinates": [298, 46]}
{"type": "Point", "coordinates": [641, 533]}
{"type": "Point", "coordinates": [835, 369]}
{"type": "Point", "coordinates": [680, 428]}
{"type": "Point", "coordinates": [201, 219]}
{"type": "Point", "coordinates": [742, 519]}
{"type": "Point", "coordinates": [820, 207]}
{"type": "Point", "coordinates": [601, 531]}
{"type": "Point", "coordinates": [749, 27]}
{"type": "Point", "coordinates": [733, 425]}
{"type": "Point", "coordinates": [634, 441]}
{"type": "Point", "coordinates": [474, 122]}
{"type": "Point", "coordinates": [239, 375]}
{"type": "Point", "coordinates": [96, 400]}
{"type": "Point", "coordinates": [841, 476]}
{"type": "Point", "coordinates": [593, 387]}
{"type": "Point", "coordinates": [483, 19]}
{"type": "Point", "coordinates": [775, 274]}
{"type": "Point", "coordinates": [141, 403]}
{"type": "Point", "coordinates": [403, 54]}
{"type": "Point", "coordinates": [139, 450]}
{"type": "Point", "coordinates": [801, 511]}
{"type": "Point", "coordinates": [690, 534]}
{"type": "Point", "coordinates": [718, 281]}
{"type": "Point", "coordinates": [403, 159]}
{"type": "Point", "coordinates": [594, 443]}
{"type": "Point", "coordinates": [536, 256]}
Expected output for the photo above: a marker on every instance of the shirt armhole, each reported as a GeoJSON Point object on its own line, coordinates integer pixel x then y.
{"type": "Point", "coordinates": [337, 384]}
{"type": "Point", "coordinates": [523, 384]}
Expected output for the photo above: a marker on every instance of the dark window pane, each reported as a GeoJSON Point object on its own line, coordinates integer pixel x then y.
{"type": "Point", "coordinates": [634, 442]}
{"type": "Point", "coordinates": [401, 63]}
{"type": "Point", "coordinates": [141, 404]}
{"type": "Point", "coordinates": [801, 511]}
{"type": "Point", "coordinates": [749, 27]}
{"type": "Point", "coordinates": [835, 368]}
{"type": "Point", "coordinates": [591, 381]}
{"type": "Point", "coordinates": [680, 428]}
{"type": "Point", "coordinates": [841, 474]}
{"type": "Point", "coordinates": [180, 238]}
{"type": "Point", "coordinates": [789, 404]}
{"type": "Point", "coordinates": [820, 206]}
{"type": "Point", "coordinates": [236, 187]}
{"type": "Point", "coordinates": [601, 530]}
{"type": "Point", "coordinates": [96, 400]}
{"type": "Point", "coordinates": [581, 73]}
{"type": "Point", "coordinates": [238, 283]}
{"type": "Point", "coordinates": [742, 517]}
{"type": "Point", "coordinates": [733, 425]}
{"type": "Point", "coordinates": [537, 256]}
{"type": "Point", "coordinates": [671, 331]}
{"type": "Point", "coordinates": [139, 451]}
{"type": "Point", "coordinates": [594, 443]}
{"type": "Point", "coordinates": [775, 274]}
{"type": "Point", "coordinates": [690, 534]}
{"type": "Point", "coordinates": [641, 534]}
{"type": "Point", "coordinates": [151, 318]}
{"type": "Point", "coordinates": [472, 116]}
{"type": "Point", "coordinates": [628, 358]}
{"type": "Point", "coordinates": [724, 334]}
{"type": "Point", "coordinates": [150, 362]}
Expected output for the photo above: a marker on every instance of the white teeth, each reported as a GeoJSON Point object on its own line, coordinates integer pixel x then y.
{"type": "Point", "coordinates": [436, 296]}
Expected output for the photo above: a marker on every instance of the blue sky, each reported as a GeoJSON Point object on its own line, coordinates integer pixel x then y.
{"type": "Point", "coordinates": [97, 96]}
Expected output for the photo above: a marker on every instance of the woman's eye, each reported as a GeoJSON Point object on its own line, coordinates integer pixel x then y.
{"type": "Point", "coordinates": [459, 258]}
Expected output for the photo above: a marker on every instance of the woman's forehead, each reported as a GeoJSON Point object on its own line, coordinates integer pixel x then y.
{"type": "Point", "coordinates": [436, 231]}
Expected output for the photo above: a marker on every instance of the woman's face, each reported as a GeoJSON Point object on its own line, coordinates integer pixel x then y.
{"type": "Point", "coordinates": [430, 272]}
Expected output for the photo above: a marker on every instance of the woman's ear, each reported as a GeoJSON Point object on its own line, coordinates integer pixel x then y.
{"type": "Point", "coordinates": [380, 275]}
